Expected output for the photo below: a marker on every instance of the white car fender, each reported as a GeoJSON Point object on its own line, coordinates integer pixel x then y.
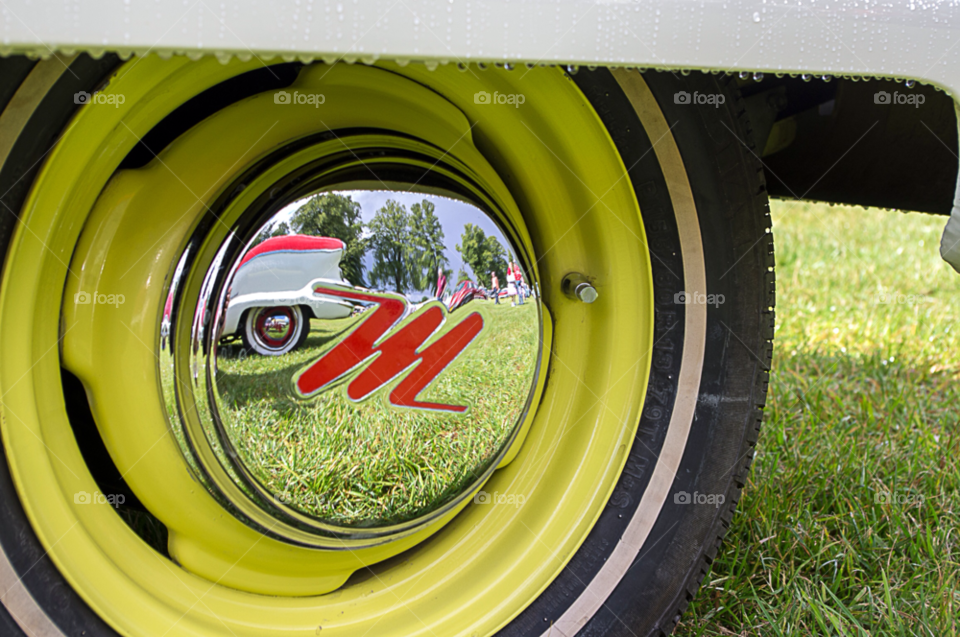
{"type": "Point", "coordinates": [280, 272]}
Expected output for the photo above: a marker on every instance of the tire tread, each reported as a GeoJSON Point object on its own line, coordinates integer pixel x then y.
{"type": "Point", "coordinates": [759, 202]}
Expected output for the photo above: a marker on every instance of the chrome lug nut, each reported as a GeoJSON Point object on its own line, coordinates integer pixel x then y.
{"type": "Point", "coordinates": [576, 285]}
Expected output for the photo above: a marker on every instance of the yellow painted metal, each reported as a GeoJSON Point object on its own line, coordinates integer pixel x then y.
{"type": "Point", "coordinates": [482, 567]}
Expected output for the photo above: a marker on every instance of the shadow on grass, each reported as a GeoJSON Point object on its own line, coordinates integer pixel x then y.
{"type": "Point", "coordinates": [244, 377]}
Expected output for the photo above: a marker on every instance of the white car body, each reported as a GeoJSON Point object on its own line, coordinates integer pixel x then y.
{"type": "Point", "coordinates": [897, 38]}
{"type": "Point", "coordinates": [280, 272]}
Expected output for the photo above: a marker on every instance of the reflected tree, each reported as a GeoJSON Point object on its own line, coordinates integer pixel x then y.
{"type": "Point", "coordinates": [391, 245]}
{"type": "Point", "coordinates": [426, 242]}
{"type": "Point", "coordinates": [328, 215]}
{"type": "Point", "coordinates": [338, 216]}
{"type": "Point", "coordinates": [272, 230]}
{"type": "Point", "coordinates": [484, 254]}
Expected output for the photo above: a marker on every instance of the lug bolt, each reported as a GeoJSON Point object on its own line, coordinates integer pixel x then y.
{"type": "Point", "coordinates": [576, 285]}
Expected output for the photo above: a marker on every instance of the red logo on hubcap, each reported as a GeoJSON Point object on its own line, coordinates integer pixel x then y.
{"type": "Point", "coordinates": [382, 357]}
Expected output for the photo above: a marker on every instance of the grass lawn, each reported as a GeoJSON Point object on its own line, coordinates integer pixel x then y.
{"type": "Point", "coordinates": [850, 524]}
{"type": "Point", "coordinates": [369, 463]}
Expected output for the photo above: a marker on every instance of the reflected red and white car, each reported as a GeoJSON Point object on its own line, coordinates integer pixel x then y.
{"type": "Point", "coordinates": [465, 292]}
{"type": "Point", "coordinates": [272, 298]}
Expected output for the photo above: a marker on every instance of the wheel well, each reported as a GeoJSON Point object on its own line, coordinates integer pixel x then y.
{"type": "Point", "coordinates": [838, 141]}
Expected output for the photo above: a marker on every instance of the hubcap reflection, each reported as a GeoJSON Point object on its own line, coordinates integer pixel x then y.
{"type": "Point", "coordinates": [357, 366]}
{"type": "Point", "coordinates": [273, 326]}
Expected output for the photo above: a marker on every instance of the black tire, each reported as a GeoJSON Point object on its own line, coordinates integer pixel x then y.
{"type": "Point", "coordinates": [731, 214]}
{"type": "Point", "coordinates": [730, 193]}
{"type": "Point", "coordinates": [42, 596]}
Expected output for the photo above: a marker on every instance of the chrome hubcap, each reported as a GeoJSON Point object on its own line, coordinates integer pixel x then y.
{"type": "Point", "coordinates": [406, 396]}
{"type": "Point", "coordinates": [274, 325]}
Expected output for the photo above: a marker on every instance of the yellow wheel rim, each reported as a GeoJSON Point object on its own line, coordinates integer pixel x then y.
{"type": "Point", "coordinates": [478, 569]}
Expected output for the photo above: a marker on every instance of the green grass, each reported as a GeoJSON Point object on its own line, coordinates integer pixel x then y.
{"type": "Point", "coordinates": [864, 401]}
{"type": "Point", "coordinates": [368, 463]}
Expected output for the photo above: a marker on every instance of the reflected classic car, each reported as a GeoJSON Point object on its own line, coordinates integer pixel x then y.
{"type": "Point", "coordinates": [272, 299]}
{"type": "Point", "coordinates": [465, 292]}
{"type": "Point", "coordinates": [414, 470]}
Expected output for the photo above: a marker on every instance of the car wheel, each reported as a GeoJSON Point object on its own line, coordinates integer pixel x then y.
{"type": "Point", "coordinates": [604, 509]}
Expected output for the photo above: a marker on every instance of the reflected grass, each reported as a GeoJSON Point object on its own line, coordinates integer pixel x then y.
{"type": "Point", "coordinates": [368, 463]}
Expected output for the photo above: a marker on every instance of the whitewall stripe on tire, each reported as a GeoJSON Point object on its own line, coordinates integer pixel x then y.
{"type": "Point", "coordinates": [691, 366]}
{"type": "Point", "coordinates": [13, 594]}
